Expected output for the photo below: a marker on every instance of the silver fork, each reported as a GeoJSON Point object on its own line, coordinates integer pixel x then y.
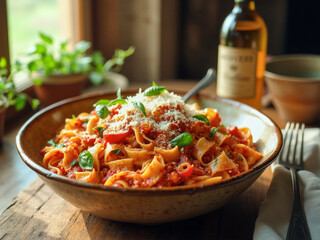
{"type": "Point", "coordinates": [298, 227]}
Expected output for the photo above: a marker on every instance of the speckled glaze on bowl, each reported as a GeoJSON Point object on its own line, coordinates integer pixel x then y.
{"type": "Point", "coordinates": [147, 206]}
{"type": "Point", "coordinates": [294, 84]}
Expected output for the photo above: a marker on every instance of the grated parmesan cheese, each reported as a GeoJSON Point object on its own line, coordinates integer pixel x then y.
{"type": "Point", "coordinates": [161, 110]}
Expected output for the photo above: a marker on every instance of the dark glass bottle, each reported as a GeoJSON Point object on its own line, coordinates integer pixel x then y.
{"type": "Point", "coordinates": [242, 55]}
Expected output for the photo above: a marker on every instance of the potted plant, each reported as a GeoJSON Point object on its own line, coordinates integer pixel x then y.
{"type": "Point", "coordinates": [58, 73]}
{"type": "Point", "coordinates": [9, 96]}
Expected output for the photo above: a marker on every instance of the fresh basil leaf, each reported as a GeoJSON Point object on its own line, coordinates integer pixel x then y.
{"type": "Point", "coordinates": [154, 84]}
{"type": "Point", "coordinates": [140, 106]}
{"type": "Point", "coordinates": [116, 151]}
{"type": "Point", "coordinates": [100, 130]}
{"type": "Point", "coordinates": [213, 131]}
{"type": "Point", "coordinates": [154, 90]}
{"type": "Point", "coordinates": [102, 111]}
{"type": "Point", "coordinates": [183, 139]}
{"type": "Point", "coordinates": [54, 144]}
{"type": "Point", "coordinates": [86, 160]}
{"type": "Point", "coordinates": [73, 116]}
{"type": "Point", "coordinates": [117, 101]}
{"type": "Point", "coordinates": [74, 162]}
{"type": "Point", "coordinates": [102, 102]}
{"type": "Point", "coordinates": [203, 118]}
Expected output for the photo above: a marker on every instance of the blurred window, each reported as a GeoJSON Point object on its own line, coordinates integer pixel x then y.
{"type": "Point", "coordinates": [26, 19]}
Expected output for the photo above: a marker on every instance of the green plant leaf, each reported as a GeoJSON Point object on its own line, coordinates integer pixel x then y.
{"type": "Point", "coordinates": [102, 111]}
{"type": "Point", "coordinates": [203, 118]}
{"type": "Point", "coordinates": [116, 151]}
{"type": "Point", "coordinates": [115, 63]}
{"type": "Point", "coordinates": [154, 90]}
{"type": "Point", "coordinates": [40, 49]}
{"type": "Point", "coordinates": [54, 144]}
{"type": "Point", "coordinates": [63, 45]}
{"type": "Point", "coordinates": [82, 47]}
{"type": "Point", "coordinates": [96, 78]}
{"type": "Point", "coordinates": [20, 102]}
{"type": "Point", "coordinates": [3, 62]}
{"type": "Point", "coordinates": [97, 58]}
{"type": "Point", "coordinates": [117, 101]}
{"type": "Point", "coordinates": [74, 162]}
{"type": "Point", "coordinates": [100, 130]}
{"type": "Point", "coordinates": [84, 61]}
{"type": "Point", "coordinates": [46, 38]}
{"type": "Point", "coordinates": [35, 103]}
{"type": "Point", "coordinates": [119, 94]}
{"type": "Point", "coordinates": [213, 131]}
{"type": "Point", "coordinates": [124, 53]}
{"type": "Point", "coordinates": [86, 160]}
{"type": "Point", "coordinates": [102, 102]}
{"type": "Point", "coordinates": [183, 139]}
{"type": "Point", "coordinates": [140, 106]}
{"type": "Point", "coordinates": [32, 66]}
{"type": "Point", "coordinates": [49, 61]}
{"type": "Point", "coordinates": [10, 94]}
{"type": "Point", "coordinates": [17, 65]}
{"type": "Point", "coordinates": [37, 81]}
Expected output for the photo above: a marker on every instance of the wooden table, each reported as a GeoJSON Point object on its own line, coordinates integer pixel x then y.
{"type": "Point", "coordinates": [38, 213]}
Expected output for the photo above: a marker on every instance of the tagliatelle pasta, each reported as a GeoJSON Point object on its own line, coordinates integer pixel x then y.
{"type": "Point", "coordinates": [152, 139]}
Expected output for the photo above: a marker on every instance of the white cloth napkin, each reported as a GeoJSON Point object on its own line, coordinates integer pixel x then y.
{"type": "Point", "coordinates": [275, 210]}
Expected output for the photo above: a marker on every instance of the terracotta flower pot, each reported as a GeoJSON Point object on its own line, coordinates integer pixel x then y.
{"type": "Point", "coordinates": [2, 119]}
{"type": "Point", "coordinates": [58, 87]}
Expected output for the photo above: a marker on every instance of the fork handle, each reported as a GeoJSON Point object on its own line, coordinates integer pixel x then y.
{"type": "Point", "coordinates": [298, 227]}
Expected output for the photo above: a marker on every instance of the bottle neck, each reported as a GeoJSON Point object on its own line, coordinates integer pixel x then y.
{"type": "Point", "coordinates": [244, 4]}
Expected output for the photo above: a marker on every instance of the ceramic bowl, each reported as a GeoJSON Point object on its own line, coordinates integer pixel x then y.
{"type": "Point", "coordinates": [294, 84]}
{"type": "Point", "coordinates": [147, 206]}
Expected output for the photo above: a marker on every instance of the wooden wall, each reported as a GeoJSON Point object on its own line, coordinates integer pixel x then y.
{"type": "Point", "coordinates": [173, 38]}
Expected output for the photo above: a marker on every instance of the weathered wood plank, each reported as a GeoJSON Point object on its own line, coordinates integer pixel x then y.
{"type": "Point", "coordinates": [38, 213]}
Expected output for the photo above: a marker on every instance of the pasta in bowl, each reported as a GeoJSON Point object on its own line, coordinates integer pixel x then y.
{"type": "Point", "coordinates": [148, 157]}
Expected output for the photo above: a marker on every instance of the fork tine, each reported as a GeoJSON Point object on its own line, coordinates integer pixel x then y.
{"type": "Point", "coordinates": [302, 145]}
{"type": "Point", "coordinates": [293, 135]}
{"type": "Point", "coordinates": [284, 141]}
{"type": "Point", "coordinates": [296, 138]}
{"type": "Point", "coordinates": [290, 132]}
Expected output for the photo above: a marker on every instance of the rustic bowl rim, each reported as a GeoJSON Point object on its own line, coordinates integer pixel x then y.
{"type": "Point", "coordinates": [280, 77]}
{"type": "Point", "coordinates": [165, 190]}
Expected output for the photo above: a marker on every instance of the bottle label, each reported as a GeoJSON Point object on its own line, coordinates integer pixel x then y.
{"type": "Point", "coordinates": [236, 72]}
